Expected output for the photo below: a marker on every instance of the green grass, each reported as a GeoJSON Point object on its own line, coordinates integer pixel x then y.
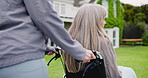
{"type": "Point", "coordinates": [135, 57]}
{"type": "Point", "coordinates": [55, 68]}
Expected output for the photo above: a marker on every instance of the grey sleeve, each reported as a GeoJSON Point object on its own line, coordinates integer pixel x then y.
{"type": "Point", "coordinates": [49, 23]}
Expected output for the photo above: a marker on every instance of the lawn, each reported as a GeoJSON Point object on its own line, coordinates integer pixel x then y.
{"type": "Point", "coordinates": [135, 57]}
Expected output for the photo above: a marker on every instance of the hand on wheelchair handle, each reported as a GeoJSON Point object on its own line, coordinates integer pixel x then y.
{"type": "Point", "coordinates": [89, 56]}
{"type": "Point", "coordinates": [52, 52]}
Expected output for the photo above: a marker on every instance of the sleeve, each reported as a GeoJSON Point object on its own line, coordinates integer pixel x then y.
{"type": "Point", "coordinates": [49, 23]}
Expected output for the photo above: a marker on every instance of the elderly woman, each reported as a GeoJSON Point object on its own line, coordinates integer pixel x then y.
{"type": "Point", "coordinates": [88, 29]}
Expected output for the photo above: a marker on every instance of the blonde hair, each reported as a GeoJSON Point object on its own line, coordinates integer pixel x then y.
{"type": "Point", "coordinates": [86, 29]}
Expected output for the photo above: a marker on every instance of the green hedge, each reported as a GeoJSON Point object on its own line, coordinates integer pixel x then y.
{"type": "Point", "coordinates": [112, 22]}
{"type": "Point", "coordinates": [111, 8]}
{"type": "Point", "coordinates": [99, 2]}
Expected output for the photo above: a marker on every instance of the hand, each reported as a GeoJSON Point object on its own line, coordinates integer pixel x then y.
{"type": "Point", "coordinates": [89, 56]}
{"type": "Point", "coordinates": [52, 52]}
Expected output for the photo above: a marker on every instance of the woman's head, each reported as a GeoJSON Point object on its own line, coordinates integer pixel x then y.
{"type": "Point", "coordinates": [87, 22]}
{"type": "Point", "coordinates": [91, 15]}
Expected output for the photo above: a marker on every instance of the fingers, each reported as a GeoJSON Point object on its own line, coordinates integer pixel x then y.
{"type": "Point", "coordinates": [93, 56]}
{"type": "Point", "coordinates": [55, 51]}
{"type": "Point", "coordinates": [50, 53]}
{"type": "Point", "coordinates": [89, 56]}
{"type": "Point", "coordinates": [86, 60]}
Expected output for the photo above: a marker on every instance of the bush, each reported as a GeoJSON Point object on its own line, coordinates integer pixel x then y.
{"type": "Point", "coordinates": [112, 22]}
{"type": "Point", "coordinates": [144, 27]}
{"type": "Point", "coordinates": [145, 39]}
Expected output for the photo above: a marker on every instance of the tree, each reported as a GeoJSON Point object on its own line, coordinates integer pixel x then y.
{"type": "Point", "coordinates": [136, 17]}
{"type": "Point", "coordinates": [145, 11]}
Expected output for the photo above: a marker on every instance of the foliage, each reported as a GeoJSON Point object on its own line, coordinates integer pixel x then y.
{"type": "Point", "coordinates": [145, 39]}
{"type": "Point", "coordinates": [134, 31]}
{"type": "Point", "coordinates": [99, 2]}
{"type": "Point", "coordinates": [142, 26]}
{"type": "Point", "coordinates": [111, 8]}
{"type": "Point", "coordinates": [134, 14]}
{"type": "Point", "coordinates": [145, 36]}
{"type": "Point", "coordinates": [120, 16]}
{"type": "Point", "coordinates": [112, 22]}
{"type": "Point", "coordinates": [137, 16]}
{"type": "Point", "coordinates": [67, 25]}
{"type": "Point", "coordinates": [145, 11]}
{"type": "Point", "coordinates": [119, 10]}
